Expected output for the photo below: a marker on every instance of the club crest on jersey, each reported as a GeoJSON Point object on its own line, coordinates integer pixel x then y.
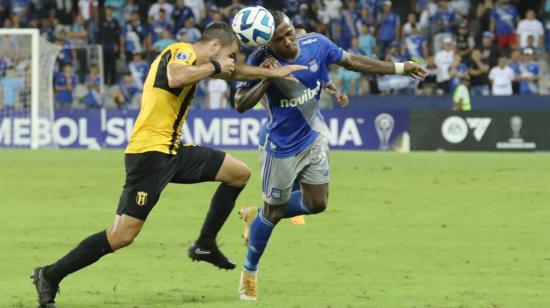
{"type": "Point", "coordinates": [182, 55]}
{"type": "Point", "coordinates": [276, 193]}
{"type": "Point", "coordinates": [141, 198]}
{"type": "Point", "coordinates": [313, 66]}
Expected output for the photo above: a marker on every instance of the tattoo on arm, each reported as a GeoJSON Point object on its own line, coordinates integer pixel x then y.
{"type": "Point", "coordinates": [366, 65]}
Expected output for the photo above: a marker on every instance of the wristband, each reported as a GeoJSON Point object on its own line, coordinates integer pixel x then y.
{"type": "Point", "coordinates": [217, 67]}
{"type": "Point", "coordinates": [399, 68]}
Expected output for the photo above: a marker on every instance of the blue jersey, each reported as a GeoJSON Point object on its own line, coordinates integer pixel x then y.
{"type": "Point", "coordinates": [94, 99]}
{"type": "Point", "coordinates": [65, 96]}
{"type": "Point", "coordinates": [529, 69]}
{"type": "Point", "coordinates": [293, 108]}
{"type": "Point", "coordinates": [461, 70]}
{"type": "Point", "coordinates": [139, 70]}
{"type": "Point", "coordinates": [388, 24]}
{"type": "Point", "coordinates": [415, 46]}
{"type": "Point", "coordinates": [10, 87]}
{"type": "Point", "coordinates": [505, 19]}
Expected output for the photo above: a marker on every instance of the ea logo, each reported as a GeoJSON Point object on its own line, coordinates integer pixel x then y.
{"type": "Point", "coordinates": [454, 129]}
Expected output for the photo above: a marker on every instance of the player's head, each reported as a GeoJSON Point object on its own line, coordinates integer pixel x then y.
{"type": "Point", "coordinates": [284, 40]}
{"type": "Point", "coordinates": [220, 40]}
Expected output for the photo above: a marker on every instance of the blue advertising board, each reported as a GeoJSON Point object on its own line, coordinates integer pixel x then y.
{"type": "Point", "coordinates": [227, 129]}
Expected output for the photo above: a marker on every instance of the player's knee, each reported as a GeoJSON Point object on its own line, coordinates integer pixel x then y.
{"type": "Point", "coordinates": [120, 239]}
{"type": "Point", "coordinates": [241, 176]}
{"type": "Point", "coordinates": [274, 213]}
{"type": "Point", "coordinates": [318, 206]}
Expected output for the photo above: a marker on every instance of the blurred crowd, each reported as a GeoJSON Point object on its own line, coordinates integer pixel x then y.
{"type": "Point", "coordinates": [499, 46]}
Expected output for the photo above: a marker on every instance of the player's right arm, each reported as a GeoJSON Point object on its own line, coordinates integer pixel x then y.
{"type": "Point", "coordinates": [181, 75]}
{"type": "Point", "coordinates": [248, 98]}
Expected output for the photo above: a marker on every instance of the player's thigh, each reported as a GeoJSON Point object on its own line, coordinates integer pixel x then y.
{"type": "Point", "coordinates": [197, 164]}
{"type": "Point", "coordinates": [315, 177]}
{"type": "Point", "coordinates": [146, 176]}
{"type": "Point", "coordinates": [278, 175]}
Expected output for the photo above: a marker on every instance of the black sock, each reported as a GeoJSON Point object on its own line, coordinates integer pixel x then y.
{"type": "Point", "coordinates": [221, 206]}
{"type": "Point", "coordinates": [87, 252]}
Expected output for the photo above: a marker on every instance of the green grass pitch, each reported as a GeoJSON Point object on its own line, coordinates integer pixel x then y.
{"type": "Point", "coordinates": [402, 230]}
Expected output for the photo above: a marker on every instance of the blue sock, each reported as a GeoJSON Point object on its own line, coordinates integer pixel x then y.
{"type": "Point", "coordinates": [296, 186]}
{"type": "Point", "coordinates": [260, 231]}
{"type": "Point", "coordinates": [296, 205]}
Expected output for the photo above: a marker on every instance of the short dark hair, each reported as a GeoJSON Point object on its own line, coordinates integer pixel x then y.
{"type": "Point", "coordinates": [220, 31]}
{"type": "Point", "coordinates": [278, 17]}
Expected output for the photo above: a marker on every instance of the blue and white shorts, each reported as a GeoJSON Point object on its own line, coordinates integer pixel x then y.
{"type": "Point", "coordinates": [278, 174]}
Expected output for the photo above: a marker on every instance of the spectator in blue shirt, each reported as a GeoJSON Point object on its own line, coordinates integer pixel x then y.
{"type": "Point", "coordinates": [388, 27]}
{"type": "Point", "coordinates": [457, 71]}
{"type": "Point", "coordinates": [193, 34]}
{"type": "Point", "coordinates": [302, 18]}
{"type": "Point", "coordinates": [504, 19]}
{"type": "Point", "coordinates": [68, 53]}
{"type": "Point", "coordinates": [19, 7]}
{"type": "Point", "coordinates": [11, 88]}
{"type": "Point", "coordinates": [165, 41]}
{"type": "Point", "coordinates": [139, 69]}
{"type": "Point", "coordinates": [529, 74]}
{"type": "Point", "coordinates": [126, 92]}
{"type": "Point", "coordinates": [442, 24]}
{"type": "Point", "coordinates": [415, 46]}
{"type": "Point", "coordinates": [65, 83]}
{"type": "Point", "coordinates": [136, 36]}
{"type": "Point", "coordinates": [348, 24]}
{"type": "Point", "coordinates": [367, 42]}
{"type": "Point", "coordinates": [94, 98]}
{"type": "Point", "coordinates": [180, 14]}
{"type": "Point", "coordinates": [514, 63]}
{"type": "Point", "coordinates": [159, 25]}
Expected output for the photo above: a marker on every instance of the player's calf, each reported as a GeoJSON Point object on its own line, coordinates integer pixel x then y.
{"type": "Point", "coordinates": [315, 197]}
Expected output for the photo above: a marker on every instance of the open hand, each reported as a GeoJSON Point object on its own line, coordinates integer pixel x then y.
{"type": "Point", "coordinates": [414, 70]}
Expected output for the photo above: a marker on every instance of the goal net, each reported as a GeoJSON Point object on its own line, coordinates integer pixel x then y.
{"type": "Point", "coordinates": [26, 94]}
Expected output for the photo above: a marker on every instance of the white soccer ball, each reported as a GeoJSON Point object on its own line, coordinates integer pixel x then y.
{"type": "Point", "coordinates": [254, 26]}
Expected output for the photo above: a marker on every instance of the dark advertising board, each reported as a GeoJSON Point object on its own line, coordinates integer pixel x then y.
{"type": "Point", "coordinates": [480, 131]}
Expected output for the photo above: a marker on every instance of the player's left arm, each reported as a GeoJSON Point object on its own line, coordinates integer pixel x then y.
{"type": "Point", "coordinates": [246, 72]}
{"type": "Point", "coordinates": [342, 99]}
{"type": "Point", "coordinates": [366, 65]}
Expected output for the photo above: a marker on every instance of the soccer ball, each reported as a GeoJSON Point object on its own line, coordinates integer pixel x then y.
{"type": "Point", "coordinates": [254, 26]}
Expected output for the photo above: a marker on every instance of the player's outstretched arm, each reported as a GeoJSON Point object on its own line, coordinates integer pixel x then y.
{"type": "Point", "coordinates": [366, 65]}
{"type": "Point", "coordinates": [245, 72]}
{"type": "Point", "coordinates": [180, 75]}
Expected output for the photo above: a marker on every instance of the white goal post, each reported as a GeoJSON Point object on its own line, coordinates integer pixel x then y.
{"type": "Point", "coordinates": [32, 58]}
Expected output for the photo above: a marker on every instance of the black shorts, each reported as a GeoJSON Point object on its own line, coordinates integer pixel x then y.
{"type": "Point", "coordinates": [148, 173]}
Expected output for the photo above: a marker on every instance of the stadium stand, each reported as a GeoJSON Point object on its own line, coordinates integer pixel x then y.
{"type": "Point", "coordinates": [454, 39]}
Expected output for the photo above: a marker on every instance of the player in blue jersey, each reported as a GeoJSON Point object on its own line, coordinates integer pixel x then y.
{"type": "Point", "coordinates": [248, 213]}
{"type": "Point", "coordinates": [293, 146]}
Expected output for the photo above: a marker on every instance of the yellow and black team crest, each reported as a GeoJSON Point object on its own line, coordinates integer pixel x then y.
{"type": "Point", "coordinates": [141, 198]}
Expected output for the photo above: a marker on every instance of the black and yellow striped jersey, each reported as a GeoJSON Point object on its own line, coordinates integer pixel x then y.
{"type": "Point", "coordinates": [163, 109]}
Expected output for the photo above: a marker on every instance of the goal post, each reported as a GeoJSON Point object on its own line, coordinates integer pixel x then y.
{"type": "Point", "coordinates": [28, 62]}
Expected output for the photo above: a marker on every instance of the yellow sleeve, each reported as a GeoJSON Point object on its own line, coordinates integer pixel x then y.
{"type": "Point", "coordinates": [182, 53]}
